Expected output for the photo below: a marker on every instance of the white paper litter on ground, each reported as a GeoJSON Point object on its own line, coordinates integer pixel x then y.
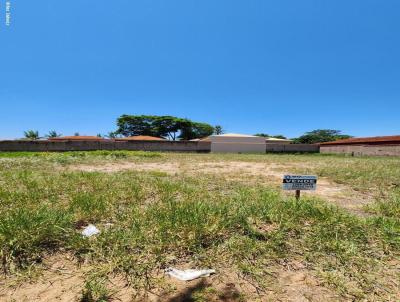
{"type": "Point", "coordinates": [189, 274]}
{"type": "Point", "coordinates": [90, 230]}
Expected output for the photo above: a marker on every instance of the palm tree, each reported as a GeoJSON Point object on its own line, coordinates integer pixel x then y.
{"type": "Point", "coordinates": [111, 134]}
{"type": "Point", "coordinates": [32, 134]}
{"type": "Point", "coordinates": [53, 133]}
{"type": "Point", "coordinates": [218, 130]}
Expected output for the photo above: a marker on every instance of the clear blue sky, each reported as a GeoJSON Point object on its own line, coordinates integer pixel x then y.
{"type": "Point", "coordinates": [279, 67]}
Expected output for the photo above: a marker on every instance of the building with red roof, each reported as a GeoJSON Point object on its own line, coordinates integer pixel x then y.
{"type": "Point", "coordinates": [76, 138]}
{"type": "Point", "coordinates": [377, 145]}
{"type": "Point", "coordinates": [140, 138]}
{"type": "Point", "coordinates": [376, 140]}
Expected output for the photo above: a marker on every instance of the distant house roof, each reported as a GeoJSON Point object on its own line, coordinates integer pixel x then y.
{"type": "Point", "coordinates": [76, 138]}
{"type": "Point", "coordinates": [140, 138]}
{"type": "Point", "coordinates": [278, 139]}
{"type": "Point", "coordinates": [376, 140]}
{"type": "Point", "coordinates": [235, 135]}
{"type": "Point", "coordinates": [204, 139]}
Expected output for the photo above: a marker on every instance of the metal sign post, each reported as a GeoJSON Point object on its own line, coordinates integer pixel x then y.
{"type": "Point", "coordinates": [297, 194]}
{"type": "Point", "coordinates": [299, 182]}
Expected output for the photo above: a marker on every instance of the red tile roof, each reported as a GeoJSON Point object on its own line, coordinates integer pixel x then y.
{"type": "Point", "coordinates": [76, 138]}
{"type": "Point", "coordinates": [377, 140]}
{"type": "Point", "coordinates": [140, 138]}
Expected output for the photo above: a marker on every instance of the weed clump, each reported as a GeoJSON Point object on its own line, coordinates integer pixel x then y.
{"type": "Point", "coordinates": [95, 290]}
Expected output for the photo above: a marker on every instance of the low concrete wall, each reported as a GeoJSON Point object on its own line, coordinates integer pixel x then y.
{"type": "Point", "coordinates": [237, 144]}
{"type": "Point", "coordinates": [226, 147]}
{"type": "Point", "coordinates": [47, 146]}
{"type": "Point", "coordinates": [292, 148]}
{"type": "Point", "coordinates": [358, 150]}
{"type": "Point", "coordinates": [176, 146]}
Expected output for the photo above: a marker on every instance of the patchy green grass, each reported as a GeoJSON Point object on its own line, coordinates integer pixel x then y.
{"type": "Point", "coordinates": [150, 221]}
{"type": "Point", "coordinates": [389, 206]}
{"type": "Point", "coordinates": [96, 290]}
{"type": "Point", "coordinates": [362, 173]}
{"type": "Point", "coordinates": [83, 154]}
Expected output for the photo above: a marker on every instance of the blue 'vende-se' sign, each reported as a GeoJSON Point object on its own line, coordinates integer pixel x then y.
{"type": "Point", "coordinates": [299, 182]}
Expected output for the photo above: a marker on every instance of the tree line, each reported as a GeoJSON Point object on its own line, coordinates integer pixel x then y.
{"type": "Point", "coordinates": [313, 137]}
{"type": "Point", "coordinates": [175, 128]}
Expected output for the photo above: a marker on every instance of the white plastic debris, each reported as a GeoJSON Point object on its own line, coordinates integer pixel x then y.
{"type": "Point", "coordinates": [90, 230]}
{"type": "Point", "coordinates": [189, 274]}
{"type": "Point", "coordinates": [108, 225]}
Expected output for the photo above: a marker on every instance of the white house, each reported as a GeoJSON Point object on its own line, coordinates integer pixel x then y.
{"type": "Point", "coordinates": [237, 143]}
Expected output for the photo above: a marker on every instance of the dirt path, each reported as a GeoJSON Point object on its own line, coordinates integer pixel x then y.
{"type": "Point", "coordinates": [266, 173]}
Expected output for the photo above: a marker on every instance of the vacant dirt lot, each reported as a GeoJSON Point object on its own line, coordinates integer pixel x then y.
{"type": "Point", "coordinates": [249, 172]}
{"type": "Point", "coordinates": [221, 211]}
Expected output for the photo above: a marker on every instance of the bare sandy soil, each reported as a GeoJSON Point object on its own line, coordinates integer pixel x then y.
{"type": "Point", "coordinates": [63, 280]}
{"type": "Point", "coordinates": [264, 173]}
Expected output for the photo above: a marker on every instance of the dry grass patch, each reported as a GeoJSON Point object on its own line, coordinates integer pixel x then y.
{"type": "Point", "coordinates": [254, 173]}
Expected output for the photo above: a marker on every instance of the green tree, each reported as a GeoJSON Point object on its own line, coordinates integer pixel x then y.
{"type": "Point", "coordinates": [320, 136]}
{"type": "Point", "coordinates": [203, 130]}
{"type": "Point", "coordinates": [218, 130]}
{"type": "Point", "coordinates": [167, 126]}
{"type": "Point", "coordinates": [76, 134]}
{"type": "Point", "coordinates": [130, 125]}
{"type": "Point", "coordinates": [262, 134]}
{"type": "Point", "coordinates": [279, 136]}
{"type": "Point", "coordinates": [31, 134]}
{"type": "Point", "coordinates": [267, 135]}
{"type": "Point", "coordinates": [196, 130]}
{"type": "Point", "coordinates": [112, 134]}
{"type": "Point", "coordinates": [53, 133]}
{"type": "Point", "coordinates": [170, 126]}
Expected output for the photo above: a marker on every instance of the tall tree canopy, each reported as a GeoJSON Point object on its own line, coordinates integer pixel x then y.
{"type": "Point", "coordinates": [196, 130]}
{"type": "Point", "coordinates": [129, 125]}
{"type": "Point", "coordinates": [170, 127]}
{"type": "Point", "coordinates": [320, 136]}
